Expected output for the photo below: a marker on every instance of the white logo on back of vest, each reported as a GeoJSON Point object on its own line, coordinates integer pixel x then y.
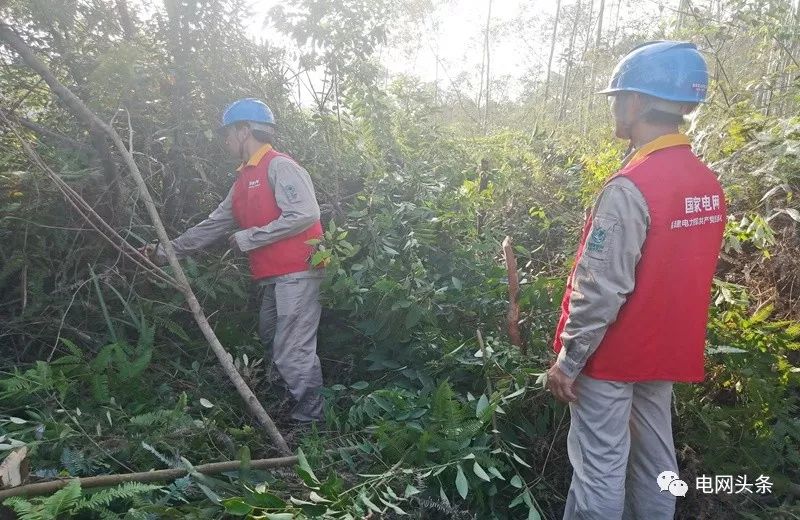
{"type": "Point", "coordinates": [699, 204]}
{"type": "Point", "coordinates": [254, 184]}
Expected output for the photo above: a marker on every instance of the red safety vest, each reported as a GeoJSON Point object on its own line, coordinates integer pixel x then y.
{"type": "Point", "coordinates": [254, 205]}
{"type": "Point", "coordinates": [660, 331]}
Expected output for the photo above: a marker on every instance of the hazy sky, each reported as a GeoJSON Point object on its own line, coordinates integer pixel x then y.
{"type": "Point", "coordinates": [454, 33]}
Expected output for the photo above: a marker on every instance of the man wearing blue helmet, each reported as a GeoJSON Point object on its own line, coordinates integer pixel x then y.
{"type": "Point", "coordinates": [634, 313]}
{"type": "Point", "coordinates": [273, 206]}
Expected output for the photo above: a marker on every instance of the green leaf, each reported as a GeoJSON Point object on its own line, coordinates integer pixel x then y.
{"type": "Point", "coordinates": [457, 284]}
{"type": "Point", "coordinates": [359, 385]}
{"type": "Point", "coordinates": [236, 506]}
{"type": "Point", "coordinates": [480, 472]}
{"type": "Point", "coordinates": [494, 471]}
{"type": "Point", "coordinates": [368, 503]}
{"type": "Point", "coordinates": [518, 459]}
{"type": "Point", "coordinates": [279, 516]}
{"type": "Point", "coordinates": [461, 483]}
{"type": "Point", "coordinates": [244, 464]}
{"type": "Point", "coordinates": [533, 514]}
{"type": "Point", "coordinates": [725, 349]}
{"type": "Point", "coordinates": [410, 491]}
{"type": "Point", "coordinates": [483, 403]}
{"type": "Point", "coordinates": [392, 506]}
{"type": "Point", "coordinates": [208, 492]}
{"type": "Point", "coordinates": [305, 471]}
{"type": "Point", "coordinates": [762, 313]}
{"type": "Point", "coordinates": [517, 482]}
{"type": "Point", "coordinates": [265, 500]}
{"type": "Point", "coordinates": [413, 317]}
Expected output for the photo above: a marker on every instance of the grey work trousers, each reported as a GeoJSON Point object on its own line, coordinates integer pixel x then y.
{"type": "Point", "coordinates": [288, 321]}
{"type": "Point", "coordinates": [619, 441]}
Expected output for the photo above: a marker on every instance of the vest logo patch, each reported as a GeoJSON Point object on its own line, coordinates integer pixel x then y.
{"type": "Point", "coordinates": [254, 184]}
{"type": "Point", "coordinates": [597, 240]}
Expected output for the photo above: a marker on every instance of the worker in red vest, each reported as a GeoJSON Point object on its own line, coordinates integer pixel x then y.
{"type": "Point", "coordinates": [273, 206]}
{"type": "Point", "coordinates": [635, 310]}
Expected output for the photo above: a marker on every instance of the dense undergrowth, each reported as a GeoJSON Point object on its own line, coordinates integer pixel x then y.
{"type": "Point", "coordinates": [104, 372]}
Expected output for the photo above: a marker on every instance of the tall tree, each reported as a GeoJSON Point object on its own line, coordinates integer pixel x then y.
{"type": "Point", "coordinates": [487, 57]}
{"type": "Point", "coordinates": [552, 50]}
{"type": "Point", "coordinates": [569, 57]}
{"type": "Point", "coordinates": [597, 42]}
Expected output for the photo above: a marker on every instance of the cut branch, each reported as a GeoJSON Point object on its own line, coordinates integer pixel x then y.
{"type": "Point", "coordinates": [93, 121]}
{"type": "Point", "coordinates": [162, 475]}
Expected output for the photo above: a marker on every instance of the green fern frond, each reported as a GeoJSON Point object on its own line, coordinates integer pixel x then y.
{"type": "Point", "coordinates": [157, 417]}
{"type": "Point", "coordinates": [147, 335]}
{"type": "Point", "coordinates": [103, 498]}
{"type": "Point", "coordinates": [74, 349]}
{"type": "Point", "coordinates": [100, 387]}
{"type": "Point", "coordinates": [63, 500]}
{"type": "Point", "coordinates": [173, 327]}
{"type": "Point", "coordinates": [134, 368]}
{"type": "Point", "coordinates": [21, 506]}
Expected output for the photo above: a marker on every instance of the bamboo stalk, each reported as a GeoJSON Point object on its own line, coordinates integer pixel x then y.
{"type": "Point", "coordinates": [84, 113]}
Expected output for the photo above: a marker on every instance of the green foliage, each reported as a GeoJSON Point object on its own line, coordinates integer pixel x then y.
{"type": "Point", "coordinates": [69, 501]}
{"type": "Point", "coordinates": [105, 372]}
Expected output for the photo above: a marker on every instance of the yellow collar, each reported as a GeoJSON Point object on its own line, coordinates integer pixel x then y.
{"type": "Point", "coordinates": [659, 143]}
{"type": "Point", "coordinates": [257, 156]}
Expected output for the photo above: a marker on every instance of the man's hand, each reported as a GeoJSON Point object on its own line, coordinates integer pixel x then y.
{"type": "Point", "coordinates": [149, 251]}
{"type": "Point", "coordinates": [562, 387]}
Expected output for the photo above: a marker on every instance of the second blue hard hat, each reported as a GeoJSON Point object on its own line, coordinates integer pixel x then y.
{"type": "Point", "coordinates": [670, 70]}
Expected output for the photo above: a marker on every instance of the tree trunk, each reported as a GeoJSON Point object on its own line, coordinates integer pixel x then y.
{"type": "Point", "coordinates": [552, 51]}
{"type": "Point", "coordinates": [581, 88]}
{"type": "Point", "coordinates": [125, 20]}
{"type": "Point", "coordinates": [176, 176]}
{"type": "Point", "coordinates": [683, 7]}
{"type": "Point", "coordinates": [597, 41]}
{"type": "Point", "coordinates": [487, 54]}
{"type": "Point", "coordinates": [616, 25]}
{"type": "Point", "coordinates": [563, 110]}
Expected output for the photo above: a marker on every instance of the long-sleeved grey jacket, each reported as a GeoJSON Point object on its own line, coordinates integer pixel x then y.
{"type": "Point", "coordinates": [294, 194]}
{"type": "Point", "coordinates": [605, 273]}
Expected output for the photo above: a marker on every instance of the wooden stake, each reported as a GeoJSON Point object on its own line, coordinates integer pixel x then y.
{"type": "Point", "coordinates": [512, 317]}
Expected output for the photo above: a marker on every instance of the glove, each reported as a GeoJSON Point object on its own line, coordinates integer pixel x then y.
{"type": "Point", "coordinates": [149, 251]}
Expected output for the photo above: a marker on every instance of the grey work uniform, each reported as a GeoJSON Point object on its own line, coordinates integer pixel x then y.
{"type": "Point", "coordinates": [290, 307]}
{"type": "Point", "coordinates": [620, 436]}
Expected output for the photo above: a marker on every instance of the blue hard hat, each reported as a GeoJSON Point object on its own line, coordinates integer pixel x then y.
{"type": "Point", "coordinates": [670, 70]}
{"type": "Point", "coordinates": [248, 109]}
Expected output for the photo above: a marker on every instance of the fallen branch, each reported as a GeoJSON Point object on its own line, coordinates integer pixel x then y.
{"type": "Point", "coordinates": [512, 317]}
{"type": "Point", "coordinates": [85, 114]}
{"type": "Point", "coordinates": [51, 486]}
